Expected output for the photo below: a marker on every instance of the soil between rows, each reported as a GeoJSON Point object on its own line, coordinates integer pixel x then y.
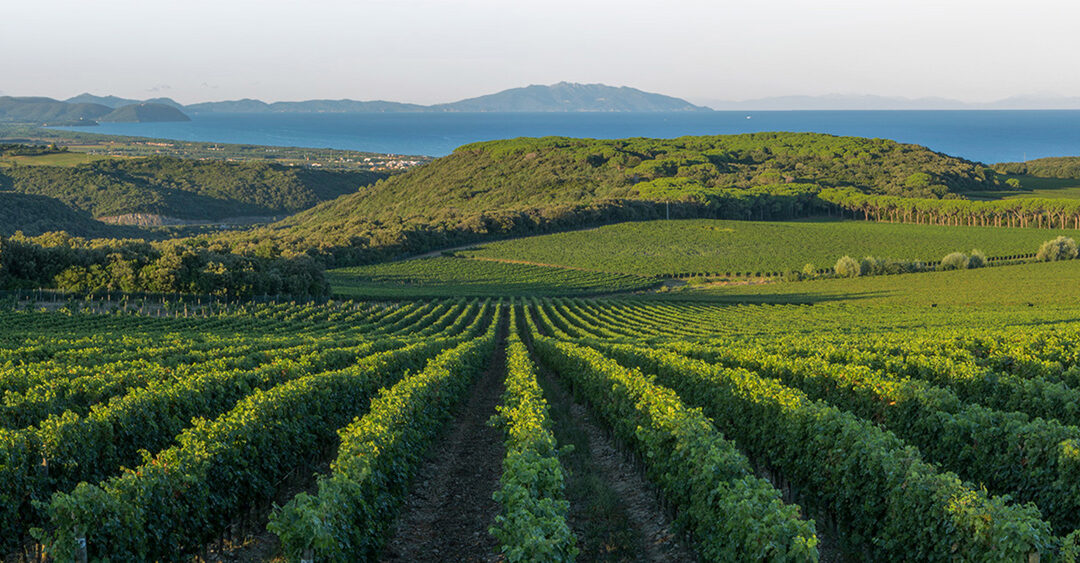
{"type": "Point", "coordinates": [447, 513]}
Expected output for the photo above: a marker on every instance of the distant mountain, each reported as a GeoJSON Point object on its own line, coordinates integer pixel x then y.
{"type": "Point", "coordinates": [47, 111]}
{"type": "Point", "coordinates": [569, 97]}
{"type": "Point", "coordinates": [871, 102]}
{"type": "Point", "coordinates": [116, 102]}
{"type": "Point", "coordinates": [561, 97]}
{"type": "Point", "coordinates": [144, 113]}
{"type": "Point", "coordinates": [1037, 101]}
{"type": "Point", "coordinates": [309, 106]}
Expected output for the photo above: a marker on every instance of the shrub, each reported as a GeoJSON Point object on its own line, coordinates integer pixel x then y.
{"type": "Point", "coordinates": [977, 259]}
{"type": "Point", "coordinates": [955, 261]}
{"type": "Point", "coordinates": [847, 267]}
{"type": "Point", "coordinates": [871, 266]}
{"type": "Point", "coordinates": [809, 270]}
{"type": "Point", "coordinates": [1061, 248]}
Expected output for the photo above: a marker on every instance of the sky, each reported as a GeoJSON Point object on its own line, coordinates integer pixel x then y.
{"type": "Point", "coordinates": [431, 51]}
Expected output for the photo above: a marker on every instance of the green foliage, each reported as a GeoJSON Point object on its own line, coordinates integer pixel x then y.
{"type": "Point", "coordinates": [977, 259]}
{"type": "Point", "coordinates": [847, 267]}
{"type": "Point", "coordinates": [1007, 286]}
{"type": "Point", "coordinates": [447, 277]}
{"type": "Point", "coordinates": [1060, 248]}
{"type": "Point", "coordinates": [348, 518]}
{"type": "Point", "coordinates": [526, 186]}
{"type": "Point", "coordinates": [531, 525]}
{"type": "Point", "coordinates": [1053, 167]}
{"type": "Point", "coordinates": [716, 247]}
{"type": "Point", "coordinates": [955, 261]}
{"type": "Point", "coordinates": [184, 189]}
{"type": "Point", "coordinates": [63, 262]}
{"type": "Point", "coordinates": [885, 495]}
{"type": "Point", "coordinates": [733, 514]}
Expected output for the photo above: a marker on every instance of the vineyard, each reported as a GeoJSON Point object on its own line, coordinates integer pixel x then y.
{"type": "Point", "coordinates": [451, 277]}
{"type": "Point", "coordinates": [302, 432]}
{"type": "Point", "coordinates": [663, 248]}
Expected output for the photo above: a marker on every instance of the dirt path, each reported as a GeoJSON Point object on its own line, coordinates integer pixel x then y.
{"type": "Point", "coordinates": [614, 511]}
{"type": "Point", "coordinates": [447, 514]}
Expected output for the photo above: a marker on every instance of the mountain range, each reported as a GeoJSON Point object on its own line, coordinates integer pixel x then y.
{"type": "Point", "coordinates": [561, 97]}
{"type": "Point", "coordinates": [47, 111]}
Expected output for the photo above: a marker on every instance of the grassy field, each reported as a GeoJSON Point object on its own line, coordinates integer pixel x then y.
{"type": "Point", "coordinates": [687, 246]}
{"type": "Point", "coordinates": [1050, 188]}
{"type": "Point", "coordinates": [456, 277]}
{"type": "Point", "coordinates": [58, 159]}
{"type": "Point", "coordinates": [1026, 285]}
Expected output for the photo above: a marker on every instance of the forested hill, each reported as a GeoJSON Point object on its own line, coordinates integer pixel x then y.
{"type": "Point", "coordinates": [552, 171]}
{"type": "Point", "coordinates": [184, 189]}
{"type": "Point", "coordinates": [1053, 167]}
{"type": "Point", "coordinates": [34, 215]}
{"type": "Point", "coordinates": [529, 185]}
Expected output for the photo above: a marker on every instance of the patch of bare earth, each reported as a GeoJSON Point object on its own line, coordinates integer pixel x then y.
{"type": "Point", "coordinates": [447, 514]}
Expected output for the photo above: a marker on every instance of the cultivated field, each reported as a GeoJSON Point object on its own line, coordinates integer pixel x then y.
{"type": "Point", "coordinates": [834, 430]}
{"type": "Point", "coordinates": [719, 247]}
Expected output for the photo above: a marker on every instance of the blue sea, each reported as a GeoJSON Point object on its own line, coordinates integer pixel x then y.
{"type": "Point", "coordinates": [985, 136]}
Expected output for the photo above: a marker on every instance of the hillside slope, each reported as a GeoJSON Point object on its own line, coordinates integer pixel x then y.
{"type": "Point", "coordinates": [34, 215]}
{"type": "Point", "coordinates": [48, 110]}
{"type": "Point", "coordinates": [524, 186]}
{"type": "Point", "coordinates": [554, 170]}
{"type": "Point", "coordinates": [145, 113]}
{"type": "Point", "coordinates": [184, 189]}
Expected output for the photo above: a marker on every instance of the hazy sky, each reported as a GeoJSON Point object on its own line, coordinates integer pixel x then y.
{"type": "Point", "coordinates": [430, 51]}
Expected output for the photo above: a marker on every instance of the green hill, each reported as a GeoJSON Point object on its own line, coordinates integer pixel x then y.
{"type": "Point", "coordinates": [145, 113]}
{"type": "Point", "coordinates": [525, 186]}
{"type": "Point", "coordinates": [184, 189]}
{"type": "Point", "coordinates": [35, 215]}
{"type": "Point", "coordinates": [49, 111]}
{"type": "Point", "coordinates": [1053, 167]}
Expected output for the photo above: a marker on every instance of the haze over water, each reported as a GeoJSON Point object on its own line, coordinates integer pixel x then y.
{"type": "Point", "coordinates": [985, 136]}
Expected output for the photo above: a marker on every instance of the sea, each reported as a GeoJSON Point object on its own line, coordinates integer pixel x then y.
{"type": "Point", "coordinates": [986, 136]}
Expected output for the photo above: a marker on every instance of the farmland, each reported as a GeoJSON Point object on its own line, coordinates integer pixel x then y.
{"type": "Point", "coordinates": [240, 404]}
{"type": "Point", "coordinates": [364, 385]}
{"type": "Point", "coordinates": [716, 246]}
{"type": "Point", "coordinates": [448, 277]}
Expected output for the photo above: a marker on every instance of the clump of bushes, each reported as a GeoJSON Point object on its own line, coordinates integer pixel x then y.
{"type": "Point", "coordinates": [1061, 248]}
{"type": "Point", "coordinates": [961, 261]}
{"type": "Point", "coordinates": [847, 267]}
{"type": "Point", "coordinates": [955, 261]}
{"type": "Point", "coordinates": [977, 259]}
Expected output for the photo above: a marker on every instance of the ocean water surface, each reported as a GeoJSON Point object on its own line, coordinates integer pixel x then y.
{"type": "Point", "coordinates": [985, 136]}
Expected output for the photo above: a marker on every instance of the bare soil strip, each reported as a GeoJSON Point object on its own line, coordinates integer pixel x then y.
{"type": "Point", "coordinates": [448, 512]}
{"type": "Point", "coordinates": [614, 511]}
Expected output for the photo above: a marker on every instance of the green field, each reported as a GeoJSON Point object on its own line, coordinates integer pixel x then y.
{"type": "Point", "coordinates": [455, 277]}
{"type": "Point", "coordinates": [1040, 284]}
{"type": "Point", "coordinates": [58, 159]}
{"type": "Point", "coordinates": [687, 246]}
